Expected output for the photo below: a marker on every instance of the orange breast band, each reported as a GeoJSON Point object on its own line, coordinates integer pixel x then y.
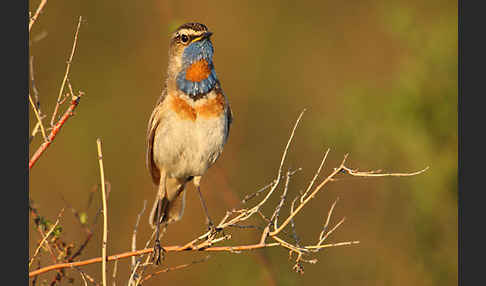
{"type": "Point", "coordinates": [212, 108]}
{"type": "Point", "coordinates": [183, 109]}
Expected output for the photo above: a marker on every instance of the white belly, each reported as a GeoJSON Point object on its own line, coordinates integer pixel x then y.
{"type": "Point", "coordinates": [188, 148]}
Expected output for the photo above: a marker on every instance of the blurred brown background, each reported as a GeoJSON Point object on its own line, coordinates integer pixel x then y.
{"type": "Point", "coordinates": [378, 79]}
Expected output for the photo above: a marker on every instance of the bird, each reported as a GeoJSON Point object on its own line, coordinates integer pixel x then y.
{"type": "Point", "coordinates": [188, 127]}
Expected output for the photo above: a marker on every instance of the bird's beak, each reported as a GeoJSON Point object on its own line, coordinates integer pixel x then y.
{"type": "Point", "coordinates": [203, 36]}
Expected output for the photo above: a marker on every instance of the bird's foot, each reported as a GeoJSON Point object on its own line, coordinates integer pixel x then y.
{"type": "Point", "coordinates": [213, 230]}
{"type": "Point", "coordinates": [159, 253]}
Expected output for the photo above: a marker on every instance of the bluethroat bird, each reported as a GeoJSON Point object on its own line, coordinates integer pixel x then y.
{"type": "Point", "coordinates": [188, 127]}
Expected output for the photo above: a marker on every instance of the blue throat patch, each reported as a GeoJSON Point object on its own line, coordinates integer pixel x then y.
{"type": "Point", "coordinates": [195, 52]}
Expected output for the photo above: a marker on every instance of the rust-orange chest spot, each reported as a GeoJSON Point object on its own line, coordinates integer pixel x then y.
{"type": "Point", "coordinates": [198, 71]}
{"type": "Point", "coordinates": [213, 107]}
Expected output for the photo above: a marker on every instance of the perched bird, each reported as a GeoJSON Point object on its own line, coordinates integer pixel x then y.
{"type": "Point", "coordinates": [189, 125]}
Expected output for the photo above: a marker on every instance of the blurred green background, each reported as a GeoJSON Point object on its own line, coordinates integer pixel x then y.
{"type": "Point", "coordinates": [378, 79]}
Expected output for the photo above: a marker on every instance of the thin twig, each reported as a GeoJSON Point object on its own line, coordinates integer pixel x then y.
{"type": "Point", "coordinates": [68, 67]}
{"type": "Point", "coordinates": [318, 247]}
{"type": "Point", "coordinates": [84, 225]}
{"type": "Point", "coordinates": [114, 272]}
{"type": "Point", "coordinates": [246, 214]}
{"type": "Point", "coordinates": [42, 148]}
{"type": "Point", "coordinates": [36, 105]}
{"type": "Point", "coordinates": [329, 214]}
{"type": "Point", "coordinates": [276, 213]}
{"type": "Point", "coordinates": [100, 210]}
{"type": "Point", "coordinates": [37, 219]}
{"type": "Point", "coordinates": [279, 174]}
{"type": "Point", "coordinates": [292, 225]}
{"type": "Point", "coordinates": [375, 173]}
{"type": "Point", "coordinates": [134, 236]}
{"type": "Point", "coordinates": [257, 193]}
{"type": "Point", "coordinates": [39, 119]}
{"type": "Point", "coordinates": [70, 87]}
{"type": "Point", "coordinates": [301, 205]}
{"type": "Point", "coordinates": [84, 279]}
{"type": "Point", "coordinates": [34, 87]}
{"type": "Point", "coordinates": [46, 236]}
{"type": "Point", "coordinates": [37, 13]}
{"type": "Point", "coordinates": [105, 213]}
{"type": "Point", "coordinates": [323, 238]}
{"type": "Point", "coordinates": [86, 276]}
{"type": "Point", "coordinates": [178, 267]}
{"type": "Point", "coordinates": [134, 274]}
{"type": "Point", "coordinates": [34, 131]}
{"type": "Point", "coordinates": [315, 176]}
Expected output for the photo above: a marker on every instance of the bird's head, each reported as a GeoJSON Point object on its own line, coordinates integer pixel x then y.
{"type": "Point", "coordinates": [191, 60]}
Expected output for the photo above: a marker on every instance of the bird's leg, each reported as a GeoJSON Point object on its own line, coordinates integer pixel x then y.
{"type": "Point", "coordinates": [213, 230]}
{"type": "Point", "coordinates": [159, 251]}
{"type": "Point", "coordinates": [209, 221]}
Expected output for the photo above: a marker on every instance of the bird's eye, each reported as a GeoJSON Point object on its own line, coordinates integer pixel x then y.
{"type": "Point", "coordinates": [184, 39]}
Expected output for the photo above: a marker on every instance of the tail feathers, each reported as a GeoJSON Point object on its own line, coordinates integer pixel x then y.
{"type": "Point", "coordinates": [173, 202]}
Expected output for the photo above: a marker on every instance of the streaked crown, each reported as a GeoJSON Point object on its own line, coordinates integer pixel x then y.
{"type": "Point", "coordinates": [191, 60]}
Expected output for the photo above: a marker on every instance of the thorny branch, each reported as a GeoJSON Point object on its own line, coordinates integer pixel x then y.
{"type": "Point", "coordinates": [273, 232]}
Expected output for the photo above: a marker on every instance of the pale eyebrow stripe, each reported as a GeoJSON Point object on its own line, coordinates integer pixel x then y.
{"type": "Point", "coordinates": [190, 32]}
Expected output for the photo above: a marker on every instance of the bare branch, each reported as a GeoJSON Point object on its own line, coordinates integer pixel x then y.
{"type": "Point", "coordinates": [178, 267]}
{"type": "Point", "coordinates": [323, 238]}
{"type": "Point", "coordinates": [85, 276]}
{"type": "Point", "coordinates": [37, 13]}
{"type": "Point", "coordinates": [69, 112]}
{"type": "Point", "coordinates": [376, 173]}
{"type": "Point", "coordinates": [105, 212]}
{"type": "Point", "coordinates": [257, 193]}
{"type": "Point", "coordinates": [114, 272]}
{"type": "Point", "coordinates": [329, 214]}
{"type": "Point", "coordinates": [315, 176]}
{"type": "Point", "coordinates": [134, 236]}
{"type": "Point", "coordinates": [276, 213]}
{"type": "Point", "coordinates": [46, 236]}
{"type": "Point", "coordinates": [134, 276]}
{"type": "Point", "coordinates": [234, 218]}
{"type": "Point", "coordinates": [36, 105]}
{"type": "Point", "coordinates": [318, 247]}
{"type": "Point", "coordinates": [292, 225]}
{"type": "Point", "coordinates": [39, 119]}
{"type": "Point", "coordinates": [68, 67]}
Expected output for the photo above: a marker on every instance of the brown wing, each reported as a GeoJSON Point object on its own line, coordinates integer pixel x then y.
{"type": "Point", "coordinates": [229, 113]}
{"type": "Point", "coordinates": [151, 128]}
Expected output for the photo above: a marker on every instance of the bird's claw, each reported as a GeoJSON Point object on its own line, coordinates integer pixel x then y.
{"type": "Point", "coordinates": [213, 230]}
{"type": "Point", "coordinates": [159, 253]}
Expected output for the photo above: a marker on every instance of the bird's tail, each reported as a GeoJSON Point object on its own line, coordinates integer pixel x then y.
{"type": "Point", "coordinates": [173, 201]}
